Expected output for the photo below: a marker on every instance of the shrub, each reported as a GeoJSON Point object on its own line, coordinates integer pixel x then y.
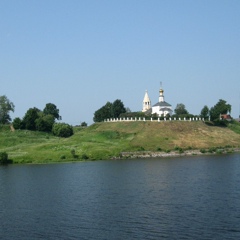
{"type": "Point", "coordinates": [3, 158]}
{"type": "Point", "coordinates": [83, 124]}
{"type": "Point", "coordinates": [181, 150]}
{"type": "Point", "coordinates": [85, 156]}
{"type": "Point", "coordinates": [141, 148]}
{"type": "Point", "coordinates": [219, 151]}
{"type": "Point", "coordinates": [44, 123]}
{"type": "Point", "coordinates": [73, 152]}
{"type": "Point", "coordinates": [212, 150]}
{"type": "Point", "coordinates": [17, 123]}
{"type": "Point", "coordinates": [62, 130]}
{"type": "Point", "coordinates": [202, 150]}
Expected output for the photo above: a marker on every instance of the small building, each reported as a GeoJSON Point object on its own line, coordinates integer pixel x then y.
{"type": "Point", "coordinates": [225, 117]}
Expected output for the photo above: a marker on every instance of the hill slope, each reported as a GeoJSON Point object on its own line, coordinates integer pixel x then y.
{"type": "Point", "coordinates": [106, 140]}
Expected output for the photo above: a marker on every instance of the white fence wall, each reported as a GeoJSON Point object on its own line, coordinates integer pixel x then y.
{"type": "Point", "coordinates": [151, 120]}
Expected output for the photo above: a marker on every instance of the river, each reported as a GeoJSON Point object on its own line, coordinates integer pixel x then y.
{"type": "Point", "coordinates": [194, 197]}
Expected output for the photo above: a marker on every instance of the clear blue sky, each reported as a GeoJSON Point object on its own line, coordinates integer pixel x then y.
{"type": "Point", "coordinates": [79, 54]}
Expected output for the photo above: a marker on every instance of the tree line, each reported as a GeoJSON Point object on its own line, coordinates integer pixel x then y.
{"type": "Point", "coordinates": [35, 119]}
{"type": "Point", "coordinates": [118, 110]}
{"type": "Point", "coordinates": [45, 120]}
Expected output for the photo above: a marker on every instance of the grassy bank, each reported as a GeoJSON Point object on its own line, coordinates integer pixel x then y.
{"type": "Point", "coordinates": [108, 140]}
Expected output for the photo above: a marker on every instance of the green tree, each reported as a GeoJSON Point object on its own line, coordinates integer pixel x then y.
{"type": "Point", "coordinates": [52, 109]}
{"type": "Point", "coordinates": [180, 109]}
{"type": "Point", "coordinates": [6, 106]}
{"type": "Point", "coordinates": [17, 123]}
{"type": "Point", "coordinates": [117, 108]}
{"type": "Point", "coordinates": [29, 120]}
{"type": "Point", "coordinates": [62, 130]}
{"type": "Point", "coordinates": [44, 123]}
{"type": "Point", "coordinates": [220, 108]}
{"type": "Point", "coordinates": [83, 124]}
{"type": "Point", "coordinates": [204, 112]}
{"type": "Point", "coordinates": [103, 113]}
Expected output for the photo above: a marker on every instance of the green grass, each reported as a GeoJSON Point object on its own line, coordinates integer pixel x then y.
{"type": "Point", "coordinates": [234, 126]}
{"type": "Point", "coordinates": [107, 140]}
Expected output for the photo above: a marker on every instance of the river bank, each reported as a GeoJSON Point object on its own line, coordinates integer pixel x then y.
{"type": "Point", "coordinates": [151, 154]}
{"type": "Point", "coordinates": [120, 140]}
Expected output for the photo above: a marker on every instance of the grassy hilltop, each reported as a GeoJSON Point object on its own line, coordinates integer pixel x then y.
{"type": "Point", "coordinates": [107, 140]}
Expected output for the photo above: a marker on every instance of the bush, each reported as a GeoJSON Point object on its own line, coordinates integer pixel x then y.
{"type": "Point", "coordinates": [17, 123]}
{"type": "Point", "coordinates": [83, 124]}
{"type": "Point", "coordinates": [84, 156]}
{"type": "Point", "coordinates": [212, 150]}
{"type": "Point", "coordinates": [203, 150]}
{"type": "Point", "coordinates": [180, 150]}
{"type": "Point", "coordinates": [62, 130]}
{"type": "Point", "coordinates": [44, 123]}
{"type": "Point", "coordinates": [219, 151]}
{"type": "Point", "coordinates": [3, 158]}
{"type": "Point", "coordinates": [73, 152]}
{"type": "Point", "coordinates": [141, 148]}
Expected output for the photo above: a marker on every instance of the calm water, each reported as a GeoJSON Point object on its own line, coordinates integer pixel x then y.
{"type": "Point", "coordinates": [182, 198]}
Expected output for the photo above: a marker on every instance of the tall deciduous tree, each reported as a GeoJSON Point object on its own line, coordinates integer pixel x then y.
{"type": "Point", "coordinates": [29, 120]}
{"type": "Point", "coordinates": [204, 112]}
{"type": "Point", "coordinates": [44, 122]}
{"type": "Point", "coordinates": [117, 108]}
{"type": "Point", "coordinates": [52, 109]}
{"type": "Point", "coordinates": [6, 106]}
{"type": "Point", "coordinates": [220, 108]}
{"type": "Point", "coordinates": [17, 123]}
{"type": "Point", "coordinates": [103, 113]}
{"type": "Point", "coordinates": [180, 109]}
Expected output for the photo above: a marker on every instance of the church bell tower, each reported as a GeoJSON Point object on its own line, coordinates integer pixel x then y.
{"type": "Point", "coordinates": [146, 102]}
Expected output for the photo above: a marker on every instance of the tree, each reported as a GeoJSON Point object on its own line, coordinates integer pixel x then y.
{"type": "Point", "coordinates": [220, 108]}
{"type": "Point", "coordinates": [180, 109]}
{"type": "Point", "coordinates": [51, 109]}
{"type": "Point", "coordinates": [103, 113]}
{"type": "Point", "coordinates": [83, 124]}
{"type": "Point", "coordinates": [109, 110]}
{"type": "Point", "coordinates": [29, 120]}
{"type": "Point", "coordinates": [62, 130]}
{"type": "Point", "coordinates": [117, 108]}
{"type": "Point", "coordinates": [44, 123]}
{"type": "Point", "coordinates": [6, 106]}
{"type": "Point", "coordinates": [17, 123]}
{"type": "Point", "coordinates": [204, 112]}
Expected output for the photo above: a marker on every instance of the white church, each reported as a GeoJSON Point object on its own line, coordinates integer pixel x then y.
{"type": "Point", "coordinates": [161, 108]}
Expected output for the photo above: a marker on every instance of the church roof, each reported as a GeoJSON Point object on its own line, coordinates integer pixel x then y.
{"type": "Point", "coordinates": [166, 109]}
{"type": "Point", "coordinates": [162, 104]}
{"type": "Point", "coordinates": [146, 97]}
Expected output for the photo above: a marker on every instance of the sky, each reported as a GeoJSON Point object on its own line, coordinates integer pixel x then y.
{"type": "Point", "coordinates": [80, 54]}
